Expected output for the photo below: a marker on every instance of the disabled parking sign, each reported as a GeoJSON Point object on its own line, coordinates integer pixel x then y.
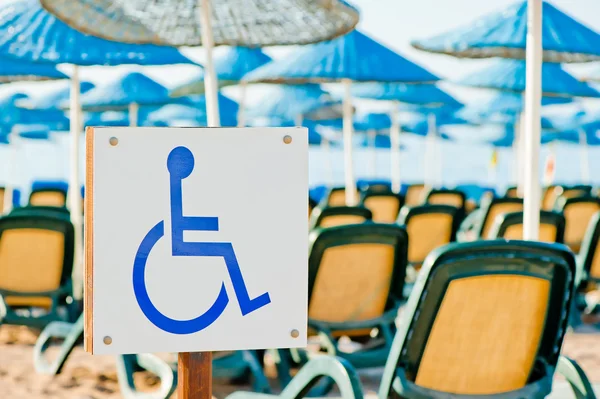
{"type": "Point", "coordinates": [196, 239]}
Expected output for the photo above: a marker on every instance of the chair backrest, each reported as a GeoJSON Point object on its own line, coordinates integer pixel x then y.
{"type": "Point", "coordinates": [385, 205]}
{"type": "Point", "coordinates": [2, 190]}
{"type": "Point", "coordinates": [468, 305]}
{"type": "Point", "coordinates": [510, 227]}
{"type": "Point", "coordinates": [550, 195]}
{"type": "Point", "coordinates": [311, 205]}
{"type": "Point", "coordinates": [36, 256]}
{"type": "Point", "coordinates": [415, 194]}
{"type": "Point", "coordinates": [48, 197]}
{"type": "Point", "coordinates": [336, 196]}
{"type": "Point", "coordinates": [339, 216]}
{"type": "Point", "coordinates": [454, 198]}
{"type": "Point", "coordinates": [41, 210]}
{"type": "Point", "coordinates": [512, 192]}
{"type": "Point", "coordinates": [578, 212]}
{"type": "Point", "coordinates": [356, 272]}
{"type": "Point", "coordinates": [428, 227]}
{"type": "Point", "coordinates": [498, 206]}
{"type": "Point", "coordinates": [590, 250]}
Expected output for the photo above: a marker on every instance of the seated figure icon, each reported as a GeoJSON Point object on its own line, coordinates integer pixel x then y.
{"type": "Point", "coordinates": [180, 164]}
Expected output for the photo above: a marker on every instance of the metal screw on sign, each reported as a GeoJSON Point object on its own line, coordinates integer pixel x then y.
{"type": "Point", "coordinates": [287, 139]}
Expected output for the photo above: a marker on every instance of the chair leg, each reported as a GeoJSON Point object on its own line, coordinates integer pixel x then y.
{"type": "Point", "coordinates": [336, 369]}
{"type": "Point", "coordinates": [128, 364]}
{"type": "Point", "coordinates": [574, 374]}
{"type": "Point", "coordinates": [71, 333]}
{"type": "Point", "coordinates": [260, 384]}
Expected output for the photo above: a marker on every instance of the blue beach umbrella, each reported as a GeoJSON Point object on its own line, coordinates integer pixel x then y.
{"type": "Point", "coordinates": [354, 57]}
{"type": "Point", "coordinates": [12, 70]}
{"type": "Point", "coordinates": [503, 33]}
{"type": "Point", "coordinates": [129, 91]}
{"type": "Point", "coordinates": [295, 103]}
{"type": "Point", "coordinates": [427, 95]}
{"type": "Point", "coordinates": [195, 113]}
{"type": "Point", "coordinates": [229, 68]}
{"type": "Point", "coordinates": [52, 99]}
{"type": "Point", "coordinates": [554, 37]}
{"type": "Point", "coordinates": [509, 75]}
{"type": "Point", "coordinates": [30, 33]}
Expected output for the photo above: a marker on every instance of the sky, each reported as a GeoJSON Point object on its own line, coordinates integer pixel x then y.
{"type": "Point", "coordinates": [392, 22]}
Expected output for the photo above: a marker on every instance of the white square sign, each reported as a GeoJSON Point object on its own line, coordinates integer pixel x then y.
{"type": "Point", "coordinates": [196, 239]}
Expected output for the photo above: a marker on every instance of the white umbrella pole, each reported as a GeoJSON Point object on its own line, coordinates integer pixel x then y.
{"type": "Point", "coordinates": [439, 155]}
{"type": "Point", "coordinates": [348, 132]}
{"type": "Point", "coordinates": [430, 169]}
{"type": "Point", "coordinates": [241, 122]}
{"type": "Point", "coordinates": [210, 77]}
{"type": "Point", "coordinates": [9, 187]}
{"type": "Point", "coordinates": [326, 153]}
{"type": "Point", "coordinates": [584, 159]}
{"type": "Point", "coordinates": [396, 177]}
{"type": "Point", "coordinates": [533, 99]}
{"type": "Point", "coordinates": [133, 114]}
{"type": "Point", "coordinates": [74, 181]}
{"type": "Point", "coordinates": [372, 149]}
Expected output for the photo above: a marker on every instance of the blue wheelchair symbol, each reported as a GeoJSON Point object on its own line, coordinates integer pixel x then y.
{"type": "Point", "coordinates": [180, 164]}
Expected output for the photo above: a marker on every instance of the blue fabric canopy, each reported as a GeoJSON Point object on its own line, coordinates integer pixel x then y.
{"type": "Point", "coordinates": [172, 114]}
{"type": "Point", "coordinates": [503, 34]}
{"type": "Point", "coordinates": [53, 98]}
{"type": "Point", "coordinates": [32, 132]}
{"type": "Point", "coordinates": [288, 102]}
{"type": "Point", "coordinates": [13, 115]}
{"type": "Point", "coordinates": [12, 70]}
{"type": "Point", "coordinates": [381, 141]}
{"type": "Point", "coordinates": [354, 56]}
{"type": "Point", "coordinates": [133, 87]}
{"type": "Point", "coordinates": [230, 67]}
{"type": "Point", "coordinates": [30, 33]}
{"type": "Point", "coordinates": [362, 122]}
{"type": "Point", "coordinates": [422, 94]}
{"type": "Point", "coordinates": [106, 118]}
{"type": "Point", "coordinates": [509, 75]}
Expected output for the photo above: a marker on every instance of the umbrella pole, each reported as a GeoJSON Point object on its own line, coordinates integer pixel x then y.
{"type": "Point", "coordinates": [210, 77]}
{"type": "Point", "coordinates": [584, 159]}
{"type": "Point", "coordinates": [74, 180]}
{"type": "Point", "coordinates": [372, 148]}
{"type": "Point", "coordinates": [350, 183]}
{"type": "Point", "coordinates": [134, 110]}
{"type": "Point", "coordinates": [395, 149]}
{"type": "Point", "coordinates": [533, 98]}
{"type": "Point", "coordinates": [429, 152]}
{"type": "Point", "coordinates": [9, 187]}
{"type": "Point", "coordinates": [439, 156]}
{"type": "Point", "coordinates": [326, 153]}
{"type": "Point", "coordinates": [240, 116]}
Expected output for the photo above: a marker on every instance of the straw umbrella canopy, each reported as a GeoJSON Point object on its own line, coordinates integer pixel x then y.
{"type": "Point", "coordinates": [420, 94]}
{"type": "Point", "coordinates": [30, 33]}
{"type": "Point", "coordinates": [230, 67]}
{"type": "Point", "coordinates": [127, 92]}
{"type": "Point", "coordinates": [354, 57]}
{"type": "Point", "coordinates": [250, 23]}
{"type": "Point", "coordinates": [520, 32]}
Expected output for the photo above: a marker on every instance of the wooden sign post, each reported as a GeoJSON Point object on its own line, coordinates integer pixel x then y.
{"type": "Point", "coordinates": [196, 241]}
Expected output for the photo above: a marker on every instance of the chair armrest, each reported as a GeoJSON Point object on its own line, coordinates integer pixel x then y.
{"type": "Point", "coordinates": [575, 376]}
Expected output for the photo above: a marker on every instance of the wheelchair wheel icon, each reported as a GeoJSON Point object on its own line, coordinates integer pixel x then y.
{"type": "Point", "coordinates": [180, 164]}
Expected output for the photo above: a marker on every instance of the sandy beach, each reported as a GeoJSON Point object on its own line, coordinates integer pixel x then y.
{"type": "Point", "coordinates": [87, 377]}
